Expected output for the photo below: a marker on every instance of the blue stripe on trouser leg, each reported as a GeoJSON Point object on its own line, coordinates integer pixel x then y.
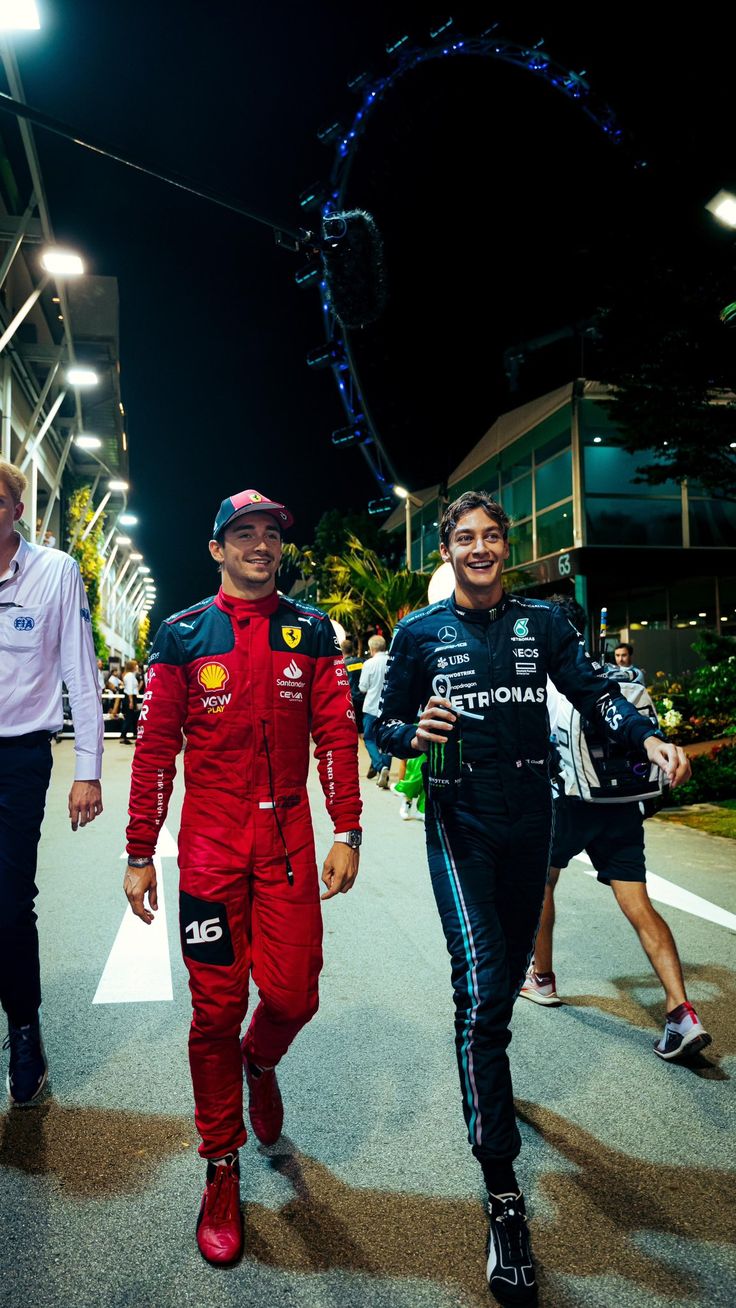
{"type": "Point", "coordinates": [475, 1121]}
{"type": "Point", "coordinates": [488, 876]}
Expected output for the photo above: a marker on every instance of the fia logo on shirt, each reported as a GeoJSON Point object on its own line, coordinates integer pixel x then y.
{"type": "Point", "coordinates": [24, 624]}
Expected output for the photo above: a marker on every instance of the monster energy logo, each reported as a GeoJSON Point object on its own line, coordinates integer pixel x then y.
{"type": "Point", "coordinates": [437, 758]}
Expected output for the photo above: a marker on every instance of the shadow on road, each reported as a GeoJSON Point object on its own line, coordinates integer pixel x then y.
{"type": "Point", "coordinates": [615, 1195]}
{"type": "Point", "coordinates": [598, 1208]}
{"type": "Point", "coordinates": [717, 985]}
{"type": "Point", "coordinates": [91, 1152]}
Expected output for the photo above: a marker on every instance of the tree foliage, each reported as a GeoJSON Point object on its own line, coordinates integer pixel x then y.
{"type": "Point", "coordinates": [357, 588]}
{"type": "Point", "coordinates": [673, 363]}
{"type": "Point", "coordinates": [143, 640]}
{"type": "Point", "coordinates": [370, 591]}
{"type": "Point", "coordinates": [88, 554]}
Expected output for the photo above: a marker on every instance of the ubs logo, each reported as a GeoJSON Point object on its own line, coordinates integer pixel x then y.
{"type": "Point", "coordinates": [24, 624]}
{"type": "Point", "coordinates": [447, 635]}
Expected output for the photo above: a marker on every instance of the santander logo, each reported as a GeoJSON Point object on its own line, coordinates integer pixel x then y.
{"type": "Point", "coordinates": [293, 672]}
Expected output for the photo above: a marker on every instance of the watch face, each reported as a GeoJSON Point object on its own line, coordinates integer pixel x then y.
{"type": "Point", "coordinates": [354, 839]}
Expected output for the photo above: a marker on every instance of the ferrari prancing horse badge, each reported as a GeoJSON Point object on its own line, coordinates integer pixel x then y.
{"type": "Point", "coordinates": [292, 636]}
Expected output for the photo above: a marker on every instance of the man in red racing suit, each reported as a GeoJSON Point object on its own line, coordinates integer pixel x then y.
{"type": "Point", "coordinates": [247, 676]}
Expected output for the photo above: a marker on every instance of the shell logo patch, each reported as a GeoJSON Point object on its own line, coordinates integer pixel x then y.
{"type": "Point", "coordinates": [213, 676]}
{"type": "Point", "coordinates": [292, 636]}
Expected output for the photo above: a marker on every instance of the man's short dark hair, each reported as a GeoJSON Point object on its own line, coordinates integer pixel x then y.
{"type": "Point", "coordinates": [624, 644]}
{"type": "Point", "coordinates": [574, 612]}
{"type": "Point", "coordinates": [465, 504]}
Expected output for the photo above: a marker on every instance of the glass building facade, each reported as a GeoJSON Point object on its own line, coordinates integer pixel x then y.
{"type": "Point", "coordinates": [660, 558]}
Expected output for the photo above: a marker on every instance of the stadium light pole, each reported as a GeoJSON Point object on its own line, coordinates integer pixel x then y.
{"type": "Point", "coordinates": [19, 16]}
{"type": "Point", "coordinates": [56, 263]}
{"type": "Point", "coordinates": [403, 494]}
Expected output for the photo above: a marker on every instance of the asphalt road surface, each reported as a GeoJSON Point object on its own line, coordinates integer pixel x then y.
{"type": "Point", "coordinates": [372, 1197]}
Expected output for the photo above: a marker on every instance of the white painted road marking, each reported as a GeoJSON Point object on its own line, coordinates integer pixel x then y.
{"type": "Point", "coordinates": [138, 968]}
{"type": "Point", "coordinates": [666, 892]}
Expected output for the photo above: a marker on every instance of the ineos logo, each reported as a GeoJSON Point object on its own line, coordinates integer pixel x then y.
{"type": "Point", "coordinates": [447, 635]}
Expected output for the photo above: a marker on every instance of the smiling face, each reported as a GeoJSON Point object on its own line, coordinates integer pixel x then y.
{"type": "Point", "coordinates": [249, 553]}
{"type": "Point", "coordinates": [476, 551]}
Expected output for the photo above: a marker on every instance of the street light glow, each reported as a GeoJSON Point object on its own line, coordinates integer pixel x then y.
{"type": "Point", "coordinates": [19, 16]}
{"type": "Point", "coordinates": [723, 207]}
{"type": "Point", "coordinates": [82, 377]}
{"type": "Point", "coordinates": [123, 540]}
{"type": "Point", "coordinates": [136, 559]}
{"type": "Point", "coordinates": [144, 568]}
{"type": "Point", "coordinates": [402, 493]}
{"type": "Point", "coordinates": [128, 520]}
{"type": "Point", "coordinates": [86, 442]}
{"type": "Point", "coordinates": [62, 263]}
{"type": "Point", "coordinates": [117, 485]}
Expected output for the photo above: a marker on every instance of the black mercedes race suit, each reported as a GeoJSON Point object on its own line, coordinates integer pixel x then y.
{"type": "Point", "coordinates": [489, 851]}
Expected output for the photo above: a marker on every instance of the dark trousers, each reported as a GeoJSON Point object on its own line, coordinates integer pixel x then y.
{"type": "Point", "coordinates": [488, 875]}
{"type": "Point", "coordinates": [378, 758]}
{"type": "Point", "coordinates": [25, 769]}
{"type": "Point", "coordinates": [130, 719]}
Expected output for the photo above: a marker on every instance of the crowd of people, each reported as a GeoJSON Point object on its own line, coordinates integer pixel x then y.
{"type": "Point", "coordinates": [463, 698]}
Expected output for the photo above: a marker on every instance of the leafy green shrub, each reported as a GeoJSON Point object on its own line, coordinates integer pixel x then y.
{"type": "Point", "coordinates": [713, 691]}
{"type": "Point", "coordinates": [713, 778]}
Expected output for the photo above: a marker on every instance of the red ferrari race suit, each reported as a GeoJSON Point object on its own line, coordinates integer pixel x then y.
{"type": "Point", "coordinates": [247, 682]}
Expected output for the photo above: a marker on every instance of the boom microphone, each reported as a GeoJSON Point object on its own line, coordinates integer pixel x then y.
{"type": "Point", "coordinates": [352, 256]}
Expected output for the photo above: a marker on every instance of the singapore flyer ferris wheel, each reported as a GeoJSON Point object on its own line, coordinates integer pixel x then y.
{"type": "Point", "coordinates": [329, 198]}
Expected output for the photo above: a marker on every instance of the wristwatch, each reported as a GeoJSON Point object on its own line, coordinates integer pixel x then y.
{"type": "Point", "coordinates": [351, 838]}
{"type": "Point", "coordinates": [139, 862]}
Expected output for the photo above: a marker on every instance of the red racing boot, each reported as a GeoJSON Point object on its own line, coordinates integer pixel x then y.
{"type": "Point", "coordinates": [220, 1223]}
{"type": "Point", "coordinates": [265, 1105]}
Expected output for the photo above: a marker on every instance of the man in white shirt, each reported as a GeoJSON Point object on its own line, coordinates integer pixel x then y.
{"type": "Point", "coordinates": [130, 707]}
{"type": "Point", "coordinates": [371, 683]}
{"type": "Point", "coordinates": [45, 638]}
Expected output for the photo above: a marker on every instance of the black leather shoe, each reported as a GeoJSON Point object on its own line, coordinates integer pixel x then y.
{"type": "Point", "coordinates": [510, 1266]}
{"type": "Point", "coordinates": [28, 1069]}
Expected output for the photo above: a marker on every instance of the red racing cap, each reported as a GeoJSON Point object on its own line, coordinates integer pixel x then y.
{"type": "Point", "coordinates": [249, 501]}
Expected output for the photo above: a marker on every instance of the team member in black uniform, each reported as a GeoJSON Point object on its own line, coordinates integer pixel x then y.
{"type": "Point", "coordinates": [482, 658]}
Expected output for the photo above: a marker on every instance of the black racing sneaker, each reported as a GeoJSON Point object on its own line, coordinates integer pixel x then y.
{"type": "Point", "coordinates": [510, 1267]}
{"type": "Point", "coordinates": [28, 1069]}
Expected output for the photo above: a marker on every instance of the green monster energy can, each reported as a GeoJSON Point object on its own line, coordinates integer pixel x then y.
{"type": "Point", "coordinates": [444, 767]}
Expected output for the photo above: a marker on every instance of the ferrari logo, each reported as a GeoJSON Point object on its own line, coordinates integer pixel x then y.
{"type": "Point", "coordinates": [292, 636]}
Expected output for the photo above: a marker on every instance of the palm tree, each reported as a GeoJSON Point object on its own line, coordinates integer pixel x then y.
{"type": "Point", "coordinates": [366, 592]}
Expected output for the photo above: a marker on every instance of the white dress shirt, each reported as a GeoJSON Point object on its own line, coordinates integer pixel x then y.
{"type": "Point", "coordinates": [372, 678]}
{"type": "Point", "coordinates": [130, 683]}
{"type": "Point", "coordinates": [46, 638]}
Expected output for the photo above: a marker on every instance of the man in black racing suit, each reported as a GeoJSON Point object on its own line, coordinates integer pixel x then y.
{"type": "Point", "coordinates": [484, 656]}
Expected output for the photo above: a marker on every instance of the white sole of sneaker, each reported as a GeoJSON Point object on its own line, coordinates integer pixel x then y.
{"type": "Point", "coordinates": [547, 1001]}
{"type": "Point", "coordinates": [690, 1046]}
{"type": "Point", "coordinates": [27, 1103]}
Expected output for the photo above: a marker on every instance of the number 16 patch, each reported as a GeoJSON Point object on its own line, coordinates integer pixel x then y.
{"type": "Point", "coordinates": [205, 931]}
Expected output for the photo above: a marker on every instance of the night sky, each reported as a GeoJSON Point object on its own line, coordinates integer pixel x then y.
{"type": "Point", "coordinates": [505, 214]}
